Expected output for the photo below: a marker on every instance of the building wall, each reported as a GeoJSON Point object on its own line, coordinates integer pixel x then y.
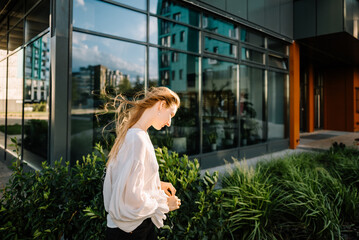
{"type": "Point", "coordinates": [274, 15]}
{"type": "Point", "coordinates": [319, 17]}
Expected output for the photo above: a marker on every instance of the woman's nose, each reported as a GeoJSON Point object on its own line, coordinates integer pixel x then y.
{"type": "Point", "coordinates": [168, 123]}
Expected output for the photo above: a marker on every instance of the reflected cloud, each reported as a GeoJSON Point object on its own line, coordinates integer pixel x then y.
{"type": "Point", "coordinates": [85, 55]}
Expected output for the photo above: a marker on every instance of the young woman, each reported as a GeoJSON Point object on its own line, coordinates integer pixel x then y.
{"type": "Point", "coordinates": [134, 197]}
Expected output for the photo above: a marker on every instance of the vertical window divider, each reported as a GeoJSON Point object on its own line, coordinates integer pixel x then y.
{"type": "Point", "coordinates": [147, 59]}
{"type": "Point", "coordinates": [200, 110]}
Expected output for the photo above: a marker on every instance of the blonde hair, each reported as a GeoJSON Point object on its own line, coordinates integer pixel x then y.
{"type": "Point", "coordinates": [129, 112]}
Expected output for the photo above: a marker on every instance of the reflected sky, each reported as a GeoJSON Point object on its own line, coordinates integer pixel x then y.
{"type": "Point", "coordinates": [127, 57]}
{"type": "Point", "coordinates": [107, 18]}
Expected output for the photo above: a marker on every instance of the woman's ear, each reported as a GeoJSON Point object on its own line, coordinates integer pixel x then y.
{"type": "Point", "coordinates": [161, 105]}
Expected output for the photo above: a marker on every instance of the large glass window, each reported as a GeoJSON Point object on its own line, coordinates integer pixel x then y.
{"type": "Point", "coordinates": [215, 46]}
{"type": "Point", "coordinates": [219, 26]}
{"type": "Point", "coordinates": [37, 21]}
{"type": "Point", "coordinates": [183, 135]}
{"type": "Point", "coordinates": [219, 105]}
{"type": "Point", "coordinates": [252, 38]}
{"type": "Point", "coordinates": [175, 11]}
{"type": "Point", "coordinates": [3, 40]}
{"type": "Point", "coordinates": [140, 4]}
{"type": "Point", "coordinates": [276, 105]}
{"type": "Point", "coordinates": [16, 37]}
{"type": "Point", "coordinates": [161, 32]}
{"type": "Point", "coordinates": [251, 105]}
{"type": "Point", "coordinates": [110, 19]}
{"type": "Point", "coordinates": [36, 101]}
{"type": "Point", "coordinates": [252, 55]}
{"type": "Point", "coordinates": [15, 97]}
{"type": "Point", "coordinates": [101, 68]}
{"type": "Point", "coordinates": [2, 102]}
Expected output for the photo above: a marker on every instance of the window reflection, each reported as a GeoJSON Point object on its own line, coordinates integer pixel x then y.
{"type": "Point", "coordinates": [220, 27]}
{"type": "Point", "coordinates": [219, 47]}
{"type": "Point", "coordinates": [276, 45]}
{"type": "Point", "coordinates": [164, 33]}
{"type": "Point", "coordinates": [15, 98]}
{"type": "Point", "coordinates": [36, 101]}
{"type": "Point", "coordinates": [251, 105]}
{"type": "Point", "coordinates": [3, 40]}
{"type": "Point", "coordinates": [16, 37]}
{"type": "Point", "coordinates": [252, 55]}
{"type": "Point", "coordinates": [278, 62]}
{"type": "Point", "coordinates": [276, 105]}
{"type": "Point", "coordinates": [101, 68]}
{"type": "Point", "coordinates": [175, 11]}
{"type": "Point", "coordinates": [182, 77]}
{"type": "Point", "coordinates": [110, 19]}
{"type": "Point", "coordinates": [141, 4]}
{"type": "Point", "coordinates": [37, 21]}
{"type": "Point", "coordinates": [2, 102]}
{"type": "Point", "coordinates": [219, 105]}
{"type": "Point", "coordinates": [252, 38]}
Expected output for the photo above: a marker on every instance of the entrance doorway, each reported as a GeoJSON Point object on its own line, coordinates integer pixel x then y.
{"type": "Point", "coordinates": [311, 99]}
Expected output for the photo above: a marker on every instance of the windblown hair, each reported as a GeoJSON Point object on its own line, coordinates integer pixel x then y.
{"type": "Point", "coordinates": [130, 111]}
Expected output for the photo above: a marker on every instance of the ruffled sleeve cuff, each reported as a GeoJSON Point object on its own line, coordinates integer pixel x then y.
{"type": "Point", "coordinates": [162, 208]}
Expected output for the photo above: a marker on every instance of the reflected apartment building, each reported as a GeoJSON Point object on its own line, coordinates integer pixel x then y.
{"type": "Point", "coordinates": [251, 75]}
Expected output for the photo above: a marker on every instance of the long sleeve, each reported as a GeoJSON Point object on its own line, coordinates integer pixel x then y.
{"type": "Point", "coordinates": [131, 192]}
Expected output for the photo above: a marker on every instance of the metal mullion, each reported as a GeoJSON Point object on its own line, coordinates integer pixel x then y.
{"type": "Point", "coordinates": [265, 106]}
{"type": "Point", "coordinates": [147, 56]}
{"type": "Point", "coordinates": [200, 110]}
{"type": "Point", "coordinates": [277, 54]}
{"type": "Point", "coordinates": [173, 49]}
{"type": "Point", "coordinates": [124, 6]}
{"type": "Point", "coordinates": [23, 18]}
{"type": "Point", "coordinates": [219, 57]}
{"type": "Point", "coordinates": [252, 46]}
{"type": "Point", "coordinates": [238, 101]}
{"type": "Point", "coordinates": [44, 32]}
{"type": "Point", "coordinates": [277, 70]}
{"type": "Point", "coordinates": [220, 37]}
{"type": "Point", "coordinates": [173, 21]}
{"type": "Point", "coordinates": [81, 30]}
{"type": "Point", "coordinates": [254, 64]}
{"type": "Point", "coordinates": [23, 92]}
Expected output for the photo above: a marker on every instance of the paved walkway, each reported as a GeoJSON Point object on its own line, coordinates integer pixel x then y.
{"type": "Point", "coordinates": [319, 140]}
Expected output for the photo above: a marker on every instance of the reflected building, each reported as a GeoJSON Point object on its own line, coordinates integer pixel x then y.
{"type": "Point", "coordinates": [251, 75]}
{"type": "Point", "coordinates": [37, 71]}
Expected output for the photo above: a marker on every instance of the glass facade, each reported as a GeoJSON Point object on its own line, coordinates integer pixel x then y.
{"type": "Point", "coordinates": [25, 81]}
{"type": "Point", "coordinates": [231, 79]}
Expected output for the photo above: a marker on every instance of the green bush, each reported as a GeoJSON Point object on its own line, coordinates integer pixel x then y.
{"type": "Point", "coordinates": [56, 201]}
{"type": "Point", "coordinates": [304, 196]}
{"type": "Point", "coordinates": [67, 201]}
{"type": "Point", "coordinates": [201, 215]}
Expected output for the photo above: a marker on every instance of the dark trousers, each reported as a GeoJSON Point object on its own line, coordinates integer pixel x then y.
{"type": "Point", "coordinates": [146, 231]}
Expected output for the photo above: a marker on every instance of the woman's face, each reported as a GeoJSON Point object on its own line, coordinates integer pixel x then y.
{"type": "Point", "coordinates": [164, 115]}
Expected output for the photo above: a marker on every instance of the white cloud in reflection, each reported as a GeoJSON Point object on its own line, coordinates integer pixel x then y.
{"type": "Point", "coordinates": [83, 55]}
{"type": "Point", "coordinates": [80, 3]}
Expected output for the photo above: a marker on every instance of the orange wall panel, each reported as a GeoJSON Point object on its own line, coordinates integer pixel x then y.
{"type": "Point", "coordinates": [356, 114]}
{"type": "Point", "coordinates": [310, 107]}
{"type": "Point", "coordinates": [338, 99]}
{"type": "Point", "coordinates": [294, 95]}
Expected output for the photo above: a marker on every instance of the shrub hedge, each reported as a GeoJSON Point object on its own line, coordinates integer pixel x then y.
{"type": "Point", "coordinates": [304, 196]}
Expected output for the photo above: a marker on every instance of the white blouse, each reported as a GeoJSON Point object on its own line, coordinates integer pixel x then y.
{"type": "Point", "coordinates": [132, 189]}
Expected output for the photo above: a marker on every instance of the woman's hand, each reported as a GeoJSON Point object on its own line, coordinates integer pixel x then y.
{"type": "Point", "coordinates": [168, 188]}
{"type": "Point", "coordinates": [173, 203]}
